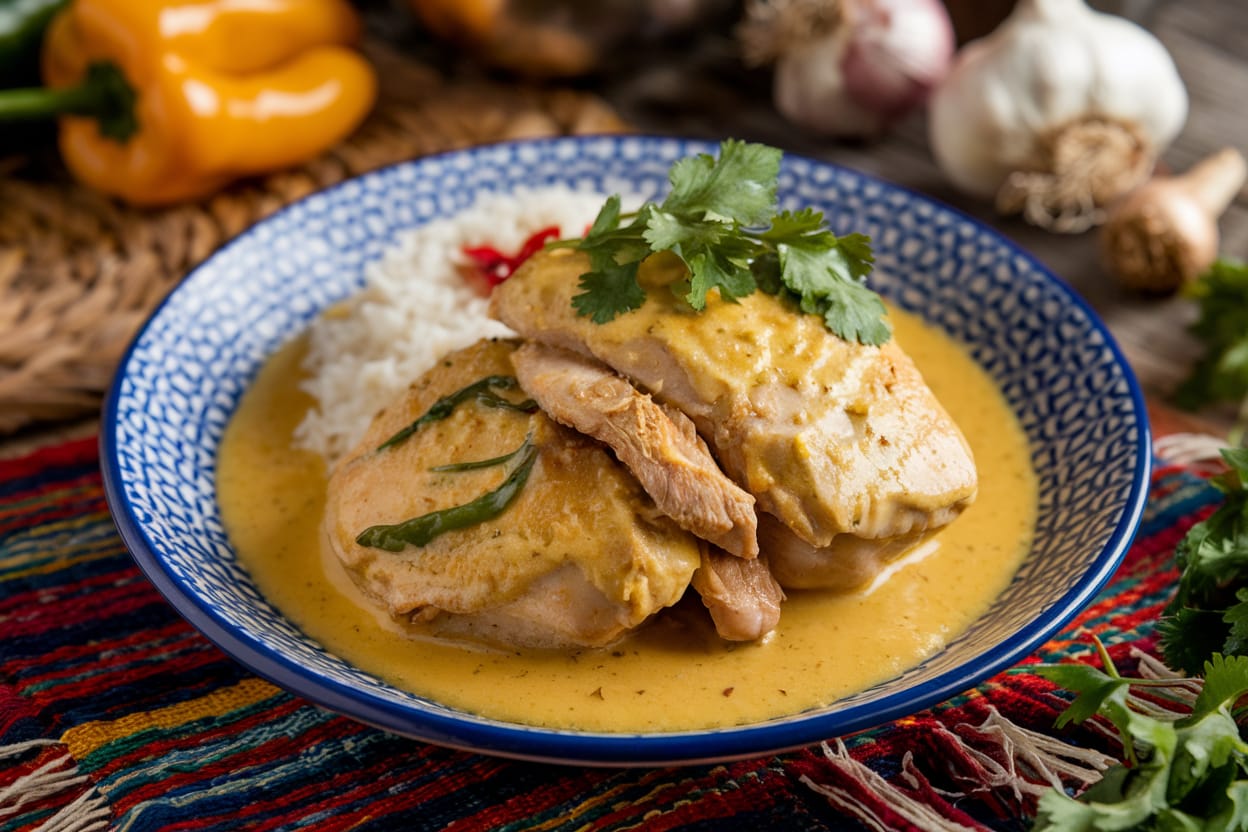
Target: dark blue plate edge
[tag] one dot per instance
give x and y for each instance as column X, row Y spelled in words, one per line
column 470, row 733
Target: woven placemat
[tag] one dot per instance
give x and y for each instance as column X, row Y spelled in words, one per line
column 79, row 272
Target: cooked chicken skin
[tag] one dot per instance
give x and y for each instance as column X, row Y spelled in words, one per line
column 741, row 595
column 578, row 558
column 832, row 438
column 659, row 445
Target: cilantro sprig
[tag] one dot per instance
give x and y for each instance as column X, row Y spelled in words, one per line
column 1209, row 611
column 1221, row 375
column 1186, row 773
column 720, row 218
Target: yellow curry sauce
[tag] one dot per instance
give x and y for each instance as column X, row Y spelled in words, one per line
column 675, row 674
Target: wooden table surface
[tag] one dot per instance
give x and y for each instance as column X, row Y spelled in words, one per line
column 706, row 93
column 700, row 88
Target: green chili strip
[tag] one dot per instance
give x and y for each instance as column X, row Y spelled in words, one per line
column 445, row 406
column 421, row 530
column 456, row 467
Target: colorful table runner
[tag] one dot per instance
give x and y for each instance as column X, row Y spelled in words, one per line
column 115, row 713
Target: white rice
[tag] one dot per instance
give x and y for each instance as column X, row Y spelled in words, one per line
column 415, row 308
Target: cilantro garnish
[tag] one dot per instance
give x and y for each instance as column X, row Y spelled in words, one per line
column 1209, row 611
column 1221, row 375
column 720, row 219
column 1182, row 773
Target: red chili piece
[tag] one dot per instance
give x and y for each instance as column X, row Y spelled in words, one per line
column 497, row 266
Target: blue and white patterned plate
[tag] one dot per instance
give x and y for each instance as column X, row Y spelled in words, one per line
column 184, row 375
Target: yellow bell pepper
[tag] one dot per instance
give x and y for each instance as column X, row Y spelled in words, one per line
column 168, row 100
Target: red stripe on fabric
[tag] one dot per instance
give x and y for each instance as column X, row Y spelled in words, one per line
column 49, row 502
column 1160, row 546
column 203, row 735
column 673, row 804
column 191, row 640
column 77, row 452
column 28, row 519
column 382, row 777
column 32, row 600
column 529, row 805
column 103, row 601
column 108, row 677
column 277, row 748
column 303, row 800
column 75, row 652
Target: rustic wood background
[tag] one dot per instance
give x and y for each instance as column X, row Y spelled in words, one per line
column 697, row 86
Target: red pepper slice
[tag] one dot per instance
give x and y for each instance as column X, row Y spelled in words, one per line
column 497, row 267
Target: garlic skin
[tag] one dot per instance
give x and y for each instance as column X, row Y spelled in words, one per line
column 850, row 68
column 1165, row 233
column 1051, row 66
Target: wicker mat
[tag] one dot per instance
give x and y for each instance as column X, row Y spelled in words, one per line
column 79, row 273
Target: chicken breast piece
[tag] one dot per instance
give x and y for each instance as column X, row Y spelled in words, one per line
column 660, row 446
column 579, row 557
column 846, row 563
column 741, row 595
column 833, row 438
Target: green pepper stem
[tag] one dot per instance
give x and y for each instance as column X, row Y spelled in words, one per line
column 103, row 94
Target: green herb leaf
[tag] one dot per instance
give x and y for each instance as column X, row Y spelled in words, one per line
column 738, row 187
column 1209, row 611
column 1093, row 687
column 609, row 291
column 1222, row 372
column 1189, row 773
column 720, row 218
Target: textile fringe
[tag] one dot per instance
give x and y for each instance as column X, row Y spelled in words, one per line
column 904, row 805
column 1189, row 448
column 59, row 776
column 1013, row 758
column 1032, row 761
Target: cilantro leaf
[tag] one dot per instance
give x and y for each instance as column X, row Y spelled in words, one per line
column 709, row 270
column 1236, row 616
column 1209, row 611
column 607, row 220
column 825, row 275
column 720, row 219
column 1190, row 773
column 1226, row 680
column 1094, row 688
column 739, row 187
column 609, row 291
column 855, row 313
column 1190, row 636
column 1222, row 372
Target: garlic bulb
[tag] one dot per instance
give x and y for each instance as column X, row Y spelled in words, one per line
column 849, row 67
column 1057, row 113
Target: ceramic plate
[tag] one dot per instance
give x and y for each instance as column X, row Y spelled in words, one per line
column 183, row 376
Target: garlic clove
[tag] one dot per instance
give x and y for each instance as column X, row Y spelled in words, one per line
column 808, row 78
column 849, row 67
column 1165, row 233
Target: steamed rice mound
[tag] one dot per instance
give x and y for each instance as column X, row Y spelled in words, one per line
column 415, row 307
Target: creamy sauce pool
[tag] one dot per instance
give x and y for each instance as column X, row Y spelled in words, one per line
column 675, row 674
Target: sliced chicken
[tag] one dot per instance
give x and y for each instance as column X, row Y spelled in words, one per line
column 741, row 595
column 579, row 557
column 832, row 438
column 846, row 563
column 659, row 445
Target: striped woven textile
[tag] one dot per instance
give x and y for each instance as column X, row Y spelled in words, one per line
column 114, row 713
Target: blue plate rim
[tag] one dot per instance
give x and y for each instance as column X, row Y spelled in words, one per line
column 471, row 733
